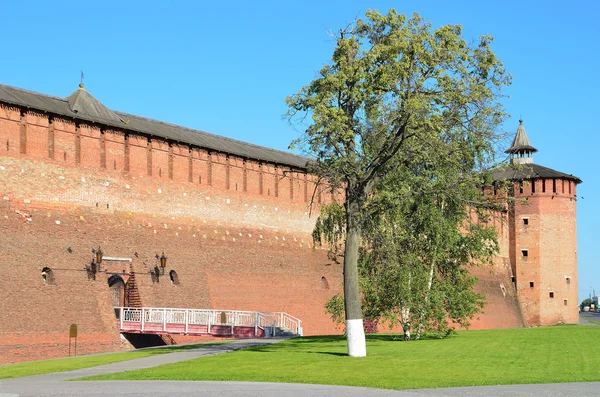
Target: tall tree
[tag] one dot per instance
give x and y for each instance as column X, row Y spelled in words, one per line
column 392, row 80
column 426, row 225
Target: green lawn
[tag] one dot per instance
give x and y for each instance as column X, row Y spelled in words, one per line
column 531, row 355
column 69, row 364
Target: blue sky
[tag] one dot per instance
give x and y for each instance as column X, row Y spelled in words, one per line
column 226, row 67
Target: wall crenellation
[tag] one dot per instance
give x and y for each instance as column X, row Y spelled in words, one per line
column 76, row 143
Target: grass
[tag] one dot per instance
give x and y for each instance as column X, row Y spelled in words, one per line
column 490, row 357
column 69, row 364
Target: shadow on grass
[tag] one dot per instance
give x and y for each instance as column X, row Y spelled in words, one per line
column 179, row 348
column 332, row 353
column 370, row 337
column 317, row 339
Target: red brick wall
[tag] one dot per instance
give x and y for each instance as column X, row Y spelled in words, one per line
column 238, row 235
column 550, row 240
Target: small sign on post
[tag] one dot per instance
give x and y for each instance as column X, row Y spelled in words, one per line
column 73, row 334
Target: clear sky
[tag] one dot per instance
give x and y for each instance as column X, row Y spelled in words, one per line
column 225, row 67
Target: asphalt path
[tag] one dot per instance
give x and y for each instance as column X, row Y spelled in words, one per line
column 54, row 385
column 584, row 316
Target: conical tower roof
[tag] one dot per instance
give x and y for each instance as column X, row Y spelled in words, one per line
column 521, row 142
column 82, row 103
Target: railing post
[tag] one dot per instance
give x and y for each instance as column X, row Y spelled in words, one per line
column 186, row 320
column 209, row 320
column 143, row 319
column 164, row 320
column 121, row 318
column 233, row 321
column 256, row 324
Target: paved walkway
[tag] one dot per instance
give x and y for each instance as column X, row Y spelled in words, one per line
column 584, row 316
column 53, row 385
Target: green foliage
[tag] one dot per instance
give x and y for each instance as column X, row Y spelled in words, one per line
column 330, row 227
column 415, row 258
column 335, row 308
column 392, row 80
column 586, row 302
column 402, row 110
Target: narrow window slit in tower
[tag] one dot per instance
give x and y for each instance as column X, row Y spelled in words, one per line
column 551, row 294
column 531, row 284
column 543, row 186
column 565, row 302
column 521, row 187
column 533, row 186
column 525, row 253
column 553, row 185
column 526, row 221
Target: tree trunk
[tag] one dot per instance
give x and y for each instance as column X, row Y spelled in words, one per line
column 405, row 322
column 422, row 314
column 355, row 333
column 430, row 282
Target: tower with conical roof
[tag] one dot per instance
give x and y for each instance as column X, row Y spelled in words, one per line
column 85, row 105
column 542, row 236
column 521, row 150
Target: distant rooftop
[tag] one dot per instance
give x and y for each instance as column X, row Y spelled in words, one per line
column 81, row 105
column 531, row 171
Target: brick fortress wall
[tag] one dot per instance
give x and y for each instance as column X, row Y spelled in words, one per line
column 544, row 250
column 236, row 231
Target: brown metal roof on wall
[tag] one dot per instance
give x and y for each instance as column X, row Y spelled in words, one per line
column 530, row 171
column 82, row 106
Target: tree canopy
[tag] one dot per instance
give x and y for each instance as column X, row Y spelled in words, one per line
column 395, row 89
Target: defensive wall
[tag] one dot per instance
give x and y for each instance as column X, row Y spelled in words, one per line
column 237, row 232
column 543, row 250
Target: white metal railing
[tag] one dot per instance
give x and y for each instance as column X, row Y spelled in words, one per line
column 289, row 323
column 148, row 317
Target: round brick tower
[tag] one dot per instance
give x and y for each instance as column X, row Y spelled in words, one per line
column 542, row 236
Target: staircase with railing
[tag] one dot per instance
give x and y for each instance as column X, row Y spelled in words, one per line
column 232, row 323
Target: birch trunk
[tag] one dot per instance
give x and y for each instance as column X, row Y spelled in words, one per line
column 422, row 313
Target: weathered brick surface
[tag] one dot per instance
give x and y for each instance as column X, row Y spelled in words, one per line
column 236, row 231
column 550, row 240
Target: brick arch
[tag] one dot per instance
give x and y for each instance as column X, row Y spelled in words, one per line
column 117, row 290
column 324, row 283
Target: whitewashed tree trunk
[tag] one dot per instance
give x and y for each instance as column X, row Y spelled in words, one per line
column 355, row 335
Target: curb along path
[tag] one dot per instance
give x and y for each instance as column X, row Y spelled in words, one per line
column 146, row 362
